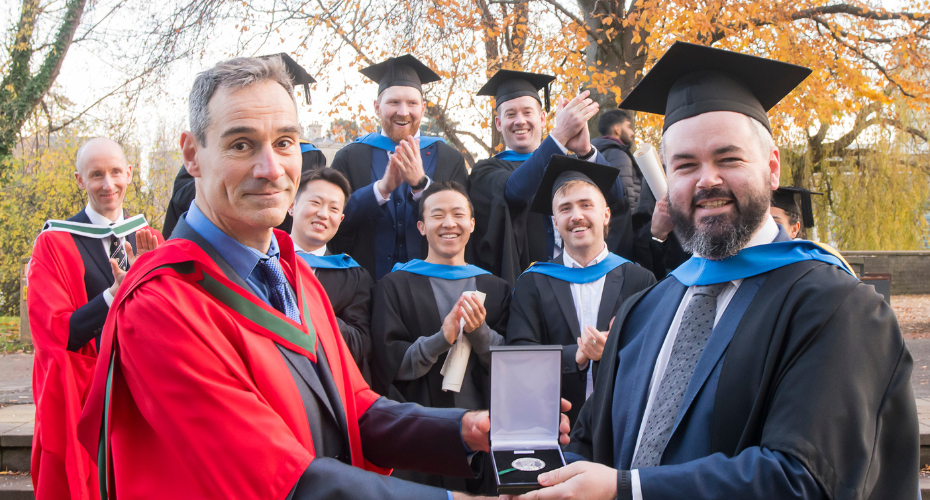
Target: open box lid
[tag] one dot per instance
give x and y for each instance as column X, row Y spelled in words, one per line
column 525, row 396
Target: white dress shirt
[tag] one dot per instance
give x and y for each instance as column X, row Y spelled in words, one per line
column 100, row 220
column 587, row 299
column 766, row 234
column 319, row 252
column 416, row 196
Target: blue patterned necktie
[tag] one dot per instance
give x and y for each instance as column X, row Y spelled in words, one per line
column 280, row 296
column 697, row 323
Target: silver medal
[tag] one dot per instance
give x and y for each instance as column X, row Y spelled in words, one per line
column 528, row 464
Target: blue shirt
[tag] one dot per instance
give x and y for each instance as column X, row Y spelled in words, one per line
column 243, row 260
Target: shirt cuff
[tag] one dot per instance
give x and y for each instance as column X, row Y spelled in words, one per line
column 108, row 297
column 417, row 196
column 559, row 144
column 380, row 199
column 449, row 493
column 637, row 488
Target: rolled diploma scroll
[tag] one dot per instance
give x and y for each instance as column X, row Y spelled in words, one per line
column 651, row 165
column 453, row 370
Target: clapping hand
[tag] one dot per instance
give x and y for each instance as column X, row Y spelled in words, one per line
column 408, row 161
column 591, row 343
column 571, row 122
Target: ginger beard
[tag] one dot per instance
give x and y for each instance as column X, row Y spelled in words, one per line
column 400, row 110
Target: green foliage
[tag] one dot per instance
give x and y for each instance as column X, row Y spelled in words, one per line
column 874, row 198
column 39, row 185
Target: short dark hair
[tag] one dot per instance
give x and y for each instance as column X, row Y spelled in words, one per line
column 610, row 118
column 438, row 187
column 324, row 174
column 313, row 160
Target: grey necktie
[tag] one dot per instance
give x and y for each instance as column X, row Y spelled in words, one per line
column 697, row 323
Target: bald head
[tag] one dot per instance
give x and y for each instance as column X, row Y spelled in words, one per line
column 103, row 172
column 99, row 148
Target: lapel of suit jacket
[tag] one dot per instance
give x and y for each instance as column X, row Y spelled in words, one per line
column 654, row 334
column 563, row 295
column 94, row 248
column 431, row 165
column 719, row 340
column 313, row 380
column 423, row 300
column 613, row 286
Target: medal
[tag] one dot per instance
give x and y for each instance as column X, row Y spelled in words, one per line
column 528, row 464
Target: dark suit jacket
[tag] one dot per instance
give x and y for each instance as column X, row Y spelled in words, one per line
column 543, row 312
column 392, row 433
column 87, row 321
column 369, row 231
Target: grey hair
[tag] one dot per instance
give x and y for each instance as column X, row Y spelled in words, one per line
column 233, row 74
column 766, row 141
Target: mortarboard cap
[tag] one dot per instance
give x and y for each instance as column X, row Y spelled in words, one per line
column 508, row 84
column 403, row 71
column 689, row 80
column 797, row 201
column 561, row 169
column 298, row 74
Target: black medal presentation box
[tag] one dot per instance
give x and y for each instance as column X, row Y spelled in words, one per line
column 526, row 385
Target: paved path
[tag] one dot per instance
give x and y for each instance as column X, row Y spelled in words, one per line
column 920, row 351
column 15, row 379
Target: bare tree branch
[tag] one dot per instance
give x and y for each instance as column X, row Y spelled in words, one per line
column 861, row 54
column 477, row 139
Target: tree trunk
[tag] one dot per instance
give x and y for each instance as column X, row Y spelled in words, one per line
column 21, row 91
column 616, row 49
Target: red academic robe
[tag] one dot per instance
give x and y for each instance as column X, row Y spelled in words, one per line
column 61, row 468
column 202, row 403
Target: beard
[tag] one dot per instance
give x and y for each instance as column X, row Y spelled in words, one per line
column 396, row 133
column 720, row 236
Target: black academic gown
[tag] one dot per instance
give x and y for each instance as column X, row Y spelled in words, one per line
column 372, row 233
column 506, row 241
column 405, row 310
column 543, row 313
column 349, row 291
column 815, row 368
column 87, row 321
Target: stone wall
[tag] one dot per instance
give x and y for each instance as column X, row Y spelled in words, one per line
column 910, row 271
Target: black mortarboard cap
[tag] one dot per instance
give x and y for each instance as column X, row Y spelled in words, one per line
column 691, row 79
column 797, row 201
column 561, row 169
column 507, row 84
column 298, row 74
column 403, row 71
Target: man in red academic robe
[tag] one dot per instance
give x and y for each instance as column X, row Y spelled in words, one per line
column 72, row 285
column 226, row 375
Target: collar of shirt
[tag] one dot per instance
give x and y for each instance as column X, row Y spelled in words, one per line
column 96, row 218
column 241, row 258
column 414, row 135
column 319, row 252
column 568, row 261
